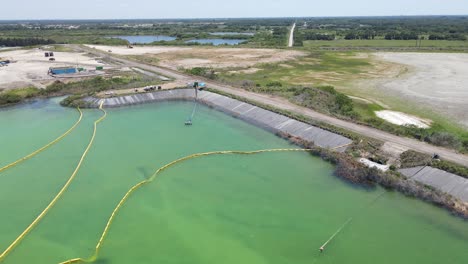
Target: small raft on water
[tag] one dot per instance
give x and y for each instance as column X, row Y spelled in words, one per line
column 188, row 122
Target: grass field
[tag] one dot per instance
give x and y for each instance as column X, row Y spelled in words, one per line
column 353, row 74
column 382, row 43
column 317, row 68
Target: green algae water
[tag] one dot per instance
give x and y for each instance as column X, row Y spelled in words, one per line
column 263, row 208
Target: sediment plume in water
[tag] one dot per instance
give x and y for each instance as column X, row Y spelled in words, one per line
column 11, row 165
column 58, row 196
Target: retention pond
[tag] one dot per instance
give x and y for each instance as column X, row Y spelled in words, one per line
column 145, row 39
column 217, row 42
column 277, row 207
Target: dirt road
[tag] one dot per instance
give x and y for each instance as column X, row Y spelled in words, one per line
column 291, row 36
column 281, row 103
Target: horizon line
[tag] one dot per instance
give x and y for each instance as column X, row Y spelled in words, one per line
column 224, row 18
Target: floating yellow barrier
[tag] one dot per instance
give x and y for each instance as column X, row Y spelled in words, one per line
column 57, row 197
column 44, row 147
column 149, row 180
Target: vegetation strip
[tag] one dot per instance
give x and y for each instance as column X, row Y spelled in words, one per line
column 44, row 147
column 58, row 196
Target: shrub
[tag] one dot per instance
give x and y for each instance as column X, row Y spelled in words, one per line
column 327, row 88
column 274, row 84
column 9, row 98
column 345, row 104
column 411, row 158
column 450, row 167
column 202, row 71
column 248, row 83
column 444, row 139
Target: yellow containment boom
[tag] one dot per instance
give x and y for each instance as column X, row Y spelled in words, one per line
column 140, row 184
column 59, row 195
column 44, row 147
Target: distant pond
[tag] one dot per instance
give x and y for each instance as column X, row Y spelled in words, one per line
column 217, row 42
column 145, row 39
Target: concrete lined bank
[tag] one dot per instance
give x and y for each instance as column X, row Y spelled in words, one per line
column 441, row 180
column 447, row 182
column 250, row 113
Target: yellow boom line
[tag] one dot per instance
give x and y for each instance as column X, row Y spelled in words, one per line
column 140, row 184
column 59, row 195
column 44, row 147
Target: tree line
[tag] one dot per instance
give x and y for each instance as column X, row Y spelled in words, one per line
column 360, row 35
column 447, row 37
column 21, row 42
column 316, row 36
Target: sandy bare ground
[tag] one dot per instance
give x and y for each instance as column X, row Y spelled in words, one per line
column 190, row 57
column 391, row 141
column 372, row 164
column 7, row 48
column 31, row 67
column 435, row 80
column 403, row 119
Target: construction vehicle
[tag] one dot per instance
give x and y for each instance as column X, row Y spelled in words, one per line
column 4, row 62
column 149, row 88
column 197, row 85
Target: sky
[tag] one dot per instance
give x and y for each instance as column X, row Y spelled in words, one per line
column 135, row 9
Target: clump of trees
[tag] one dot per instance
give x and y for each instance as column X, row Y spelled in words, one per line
column 9, row 98
column 301, row 35
column 325, row 99
column 368, row 34
column 447, row 37
column 21, row 42
column 401, row 36
column 17, row 95
column 317, row 36
column 277, row 36
column 389, row 28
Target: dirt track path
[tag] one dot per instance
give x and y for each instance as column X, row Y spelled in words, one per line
column 291, row 36
column 281, row 103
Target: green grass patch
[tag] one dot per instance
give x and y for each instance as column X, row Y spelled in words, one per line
column 342, row 43
column 317, row 68
column 98, row 84
column 17, row 95
column 366, row 110
column 291, row 79
column 62, row 48
column 78, row 89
